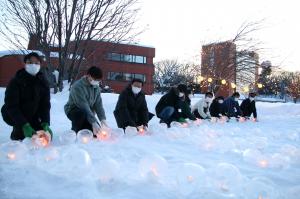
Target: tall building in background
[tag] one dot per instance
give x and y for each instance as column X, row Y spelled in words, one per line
column 228, row 70
column 218, row 62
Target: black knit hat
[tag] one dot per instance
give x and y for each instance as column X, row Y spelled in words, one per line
column 32, row 54
column 95, row 72
column 137, row 80
column 220, row 98
column 182, row 88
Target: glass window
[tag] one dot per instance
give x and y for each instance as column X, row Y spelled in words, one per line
column 140, row 76
column 115, row 76
column 127, row 58
column 212, row 58
column 128, row 76
column 139, row 59
column 115, row 56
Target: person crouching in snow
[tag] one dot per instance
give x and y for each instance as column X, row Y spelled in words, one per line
column 231, row 106
column 185, row 104
column 216, row 108
column 84, row 101
column 27, row 100
column 131, row 108
column 248, row 107
column 201, row 108
column 168, row 107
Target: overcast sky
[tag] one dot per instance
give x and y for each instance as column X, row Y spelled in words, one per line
column 177, row 28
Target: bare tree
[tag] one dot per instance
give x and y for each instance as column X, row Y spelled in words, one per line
column 244, row 54
column 169, row 73
column 68, row 26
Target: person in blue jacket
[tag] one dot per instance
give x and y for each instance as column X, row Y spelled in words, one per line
column 231, row 106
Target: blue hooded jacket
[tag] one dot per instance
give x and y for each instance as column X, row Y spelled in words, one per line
column 231, row 107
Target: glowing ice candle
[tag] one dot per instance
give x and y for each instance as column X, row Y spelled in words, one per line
column 263, row 163
column 11, row 156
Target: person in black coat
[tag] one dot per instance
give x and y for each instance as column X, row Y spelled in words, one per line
column 168, row 108
column 216, row 108
column 248, row 106
column 185, row 105
column 131, row 108
column 231, row 106
column 27, row 100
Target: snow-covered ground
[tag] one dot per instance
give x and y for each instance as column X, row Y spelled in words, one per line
column 208, row 161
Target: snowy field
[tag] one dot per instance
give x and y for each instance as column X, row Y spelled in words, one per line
column 204, row 161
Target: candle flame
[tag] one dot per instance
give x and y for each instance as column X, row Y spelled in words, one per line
column 190, row 178
column 263, row 163
column 85, row 140
column 11, row 156
column 154, row 170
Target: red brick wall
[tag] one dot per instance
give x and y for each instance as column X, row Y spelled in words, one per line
column 10, row 64
column 96, row 55
column 223, row 66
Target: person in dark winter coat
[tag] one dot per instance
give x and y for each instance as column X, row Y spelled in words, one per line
column 27, row 100
column 85, row 101
column 168, row 107
column 231, row 106
column 248, row 106
column 216, row 108
column 185, row 104
column 131, row 108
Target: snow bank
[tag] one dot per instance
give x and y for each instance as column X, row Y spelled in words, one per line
column 208, row 160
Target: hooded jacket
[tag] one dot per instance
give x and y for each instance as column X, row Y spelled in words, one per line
column 231, row 107
column 86, row 97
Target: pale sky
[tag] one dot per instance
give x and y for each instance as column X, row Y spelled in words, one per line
column 178, row 28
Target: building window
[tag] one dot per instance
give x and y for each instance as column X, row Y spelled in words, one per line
column 140, row 76
column 212, row 58
column 117, row 76
column 127, row 58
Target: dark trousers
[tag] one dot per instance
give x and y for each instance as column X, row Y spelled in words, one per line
column 197, row 115
column 79, row 120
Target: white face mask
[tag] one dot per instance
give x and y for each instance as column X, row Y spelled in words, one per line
column 208, row 99
column 191, row 96
column 220, row 101
column 236, row 99
column 252, row 98
column 136, row 90
column 32, row 69
column 94, row 82
column 181, row 94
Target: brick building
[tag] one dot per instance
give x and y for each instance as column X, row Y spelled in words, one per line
column 230, row 70
column 218, row 62
column 10, row 63
column 120, row 63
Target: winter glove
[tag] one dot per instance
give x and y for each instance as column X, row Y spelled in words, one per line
column 28, row 130
column 46, row 128
column 181, row 120
column 96, row 128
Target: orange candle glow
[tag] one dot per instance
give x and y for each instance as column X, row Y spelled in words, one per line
column 263, row 163
column 11, row 156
